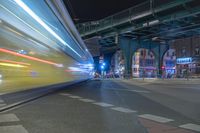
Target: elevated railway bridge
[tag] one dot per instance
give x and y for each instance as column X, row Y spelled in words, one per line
column 152, row 25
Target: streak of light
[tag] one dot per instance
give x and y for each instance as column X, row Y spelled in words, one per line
column 39, row 20
column 24, row 22
column 11, row 65
column 73, row 69
column 13, row 31
column 15, row 62
column 29, row 57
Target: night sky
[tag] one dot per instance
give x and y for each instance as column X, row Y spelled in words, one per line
column 88, row 10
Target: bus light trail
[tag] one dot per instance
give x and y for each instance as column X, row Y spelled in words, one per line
column 28, row 57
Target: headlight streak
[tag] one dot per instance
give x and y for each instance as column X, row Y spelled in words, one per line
column 8, row 28
column 12, row 65
column 34, row 16
column 83, row 68
column 24, row 22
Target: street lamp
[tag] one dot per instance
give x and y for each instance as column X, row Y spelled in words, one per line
column 102, row 67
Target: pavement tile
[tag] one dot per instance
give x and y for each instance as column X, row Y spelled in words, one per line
column 154, row 127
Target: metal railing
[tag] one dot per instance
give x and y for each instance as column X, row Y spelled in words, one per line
column 147, row 8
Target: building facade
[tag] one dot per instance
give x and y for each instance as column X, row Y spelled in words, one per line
column 188, row 56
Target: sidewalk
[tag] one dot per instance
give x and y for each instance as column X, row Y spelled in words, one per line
column 166, row 81
column 154, row 127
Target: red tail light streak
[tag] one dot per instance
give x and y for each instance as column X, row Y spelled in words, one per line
column 29, row 57
column 15, row 62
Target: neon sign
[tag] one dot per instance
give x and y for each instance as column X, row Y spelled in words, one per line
column 187, row 60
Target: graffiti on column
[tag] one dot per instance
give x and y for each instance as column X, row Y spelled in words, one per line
column 169, row 64
column 143, row 63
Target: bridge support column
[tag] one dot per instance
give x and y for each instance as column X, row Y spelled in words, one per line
column 128, row 47
column 160, row 50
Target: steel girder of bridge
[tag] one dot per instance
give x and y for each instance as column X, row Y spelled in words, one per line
column 159, row 20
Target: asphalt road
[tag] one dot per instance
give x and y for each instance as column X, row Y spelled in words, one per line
column 110, row 106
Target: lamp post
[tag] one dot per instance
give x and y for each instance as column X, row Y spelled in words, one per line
column 102, row 69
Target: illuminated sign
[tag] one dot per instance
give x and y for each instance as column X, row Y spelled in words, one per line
column 187, row 60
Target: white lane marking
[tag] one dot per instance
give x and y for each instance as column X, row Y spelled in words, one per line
column 8, row 118
column 103, row 104
column 87, row 100
column 13, row 129
column 65, row 94
column 140, row 91
column 191, row 126
column 77, row 97
column 124, row 110
column 156, row 118
column 137, row 91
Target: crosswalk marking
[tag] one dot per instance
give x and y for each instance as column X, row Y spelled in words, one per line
column 155, row 118
column 124, row 110
column 191, row 126
column 75, row 97
column 13, row 129
column 87, row 100
column 130, row 90
column 65, row 94
column 8, row 118
column 103, row 104
column 140, row 91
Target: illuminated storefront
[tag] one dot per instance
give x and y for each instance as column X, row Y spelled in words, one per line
column 184, row 66
column 188, row 66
